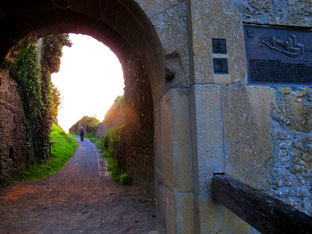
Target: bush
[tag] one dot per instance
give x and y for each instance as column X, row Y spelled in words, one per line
column 112, row 146
column 90, row 124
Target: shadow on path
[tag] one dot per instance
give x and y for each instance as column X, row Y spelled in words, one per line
column 77, row 199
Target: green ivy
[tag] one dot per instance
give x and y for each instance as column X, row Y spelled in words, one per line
column 25, row 71
column 40, row 99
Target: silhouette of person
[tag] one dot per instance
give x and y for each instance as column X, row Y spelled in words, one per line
column 82, row 133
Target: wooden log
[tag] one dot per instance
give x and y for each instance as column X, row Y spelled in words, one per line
column 263, row 212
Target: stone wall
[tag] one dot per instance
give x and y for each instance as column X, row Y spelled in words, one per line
column 286, row 115
column 12, row 129
column 275, row 12
column 139, row 126
column 290, row 168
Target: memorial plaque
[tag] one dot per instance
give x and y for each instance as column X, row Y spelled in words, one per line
column 220, row 66
column 218, row 46
column 278, row 55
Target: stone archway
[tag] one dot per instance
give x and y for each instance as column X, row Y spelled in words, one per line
column 120, row 25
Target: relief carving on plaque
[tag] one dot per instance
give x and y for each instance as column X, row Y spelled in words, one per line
column 291, row 48
column 278, row 55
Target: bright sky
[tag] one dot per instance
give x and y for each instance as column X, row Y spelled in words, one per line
column 90, row 78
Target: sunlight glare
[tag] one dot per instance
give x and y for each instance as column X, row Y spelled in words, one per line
column 89, row 80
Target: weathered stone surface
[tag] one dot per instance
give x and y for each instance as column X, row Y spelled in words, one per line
column 210, row 159
column 214, row 218
column 167, row 161
column 171, row 27
column 278, row 12
column 208, row 114
column 215, row 19
column 289, row 169
column 138, row 158
column 184, row 220
column 182, row 153
column 12, row 129
column 152, row 8
column 247, row 131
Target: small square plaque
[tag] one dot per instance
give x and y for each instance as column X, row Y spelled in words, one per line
column 220, row 66
column 218, row 46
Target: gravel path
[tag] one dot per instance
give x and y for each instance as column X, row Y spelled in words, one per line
column 78, row 199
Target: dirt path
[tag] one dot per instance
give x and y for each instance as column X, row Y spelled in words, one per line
column 77, row 199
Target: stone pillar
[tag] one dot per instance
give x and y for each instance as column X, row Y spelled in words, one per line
column 174, row 163
column 212, row 19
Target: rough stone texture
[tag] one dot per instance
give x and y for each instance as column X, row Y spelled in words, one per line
column 286, row 173
column 215, row 19
column 213, row 217
column 217, row 219
column 247, row 131
column 12, row 129
column 171, row 27
column 174, row 163
column 139, row 126
column 209, row 134
column 152, row 8
column 290, row 167
column 176, row 139
column 275, row 12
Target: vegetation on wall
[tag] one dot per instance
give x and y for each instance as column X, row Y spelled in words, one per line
column 39, row 98
column 51, row 53
column 25, row 71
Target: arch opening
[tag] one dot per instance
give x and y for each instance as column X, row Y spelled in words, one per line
column 124, row 28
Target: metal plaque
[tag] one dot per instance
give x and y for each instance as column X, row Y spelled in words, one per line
column 220, row 66
column 218, row 46
column 278, row 55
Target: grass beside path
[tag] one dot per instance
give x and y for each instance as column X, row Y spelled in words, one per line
column 64, row 147
column 112, row 138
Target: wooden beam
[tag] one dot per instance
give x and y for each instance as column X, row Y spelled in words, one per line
column 263, row 212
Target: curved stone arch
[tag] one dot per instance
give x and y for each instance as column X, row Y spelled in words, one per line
column 125, row 28
column 121, row 25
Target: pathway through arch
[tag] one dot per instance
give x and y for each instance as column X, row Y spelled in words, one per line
column 78, row 199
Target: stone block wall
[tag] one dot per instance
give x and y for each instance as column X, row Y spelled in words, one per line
column 12, row 129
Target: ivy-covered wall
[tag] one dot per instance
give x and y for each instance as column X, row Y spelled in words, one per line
column 28, row 74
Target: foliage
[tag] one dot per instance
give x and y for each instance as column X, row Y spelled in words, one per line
column 112, row 146
column 91, row 137
column 90, row 124
column 25, row 71
column 51, row 53
column 64, row 147
column 40, row 101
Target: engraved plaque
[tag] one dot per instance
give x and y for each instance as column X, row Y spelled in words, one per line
column 220, row 66
column 278, row 55
column 218, row 46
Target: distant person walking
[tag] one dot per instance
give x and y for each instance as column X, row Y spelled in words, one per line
column 82, row 133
